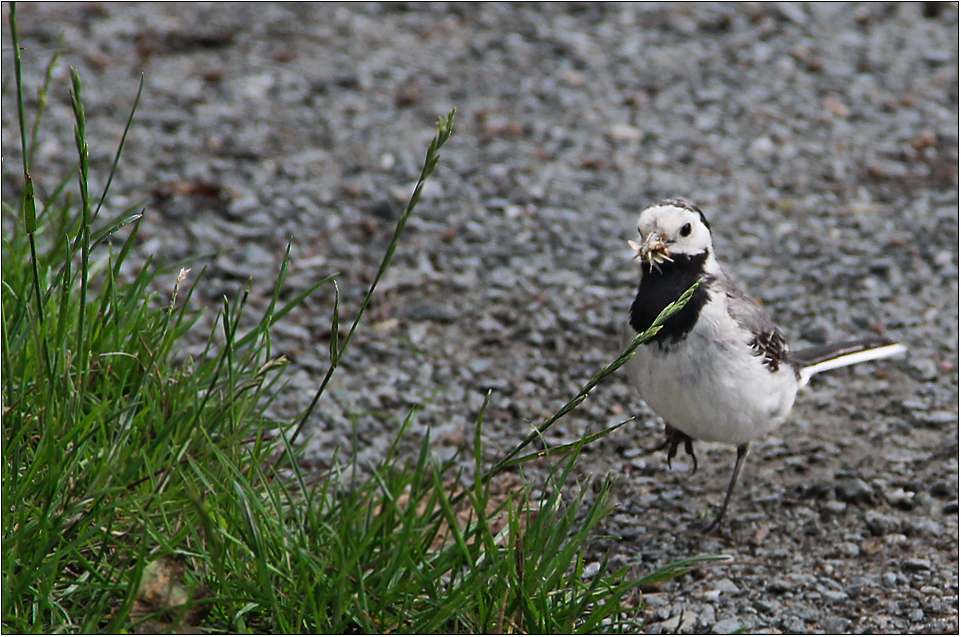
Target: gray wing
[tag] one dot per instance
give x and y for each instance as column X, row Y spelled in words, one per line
column 767, row 340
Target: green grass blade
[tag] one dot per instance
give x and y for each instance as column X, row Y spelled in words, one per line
column 445, row 128
column 123, row 139
column 603, row 373
column 566, row 448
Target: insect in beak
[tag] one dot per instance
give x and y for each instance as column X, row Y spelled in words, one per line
column 653, row 251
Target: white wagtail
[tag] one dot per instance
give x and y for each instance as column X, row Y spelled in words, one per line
column 718, row 370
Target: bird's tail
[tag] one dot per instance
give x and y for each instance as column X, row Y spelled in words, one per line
column 820, row 358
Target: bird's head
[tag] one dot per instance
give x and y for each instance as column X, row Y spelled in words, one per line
column 671, row 229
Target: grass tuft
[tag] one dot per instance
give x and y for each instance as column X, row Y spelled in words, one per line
column 148, row 493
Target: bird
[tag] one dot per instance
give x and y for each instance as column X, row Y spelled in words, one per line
column 719, row 369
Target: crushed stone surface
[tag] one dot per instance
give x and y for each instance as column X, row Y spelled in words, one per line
column 821, row 140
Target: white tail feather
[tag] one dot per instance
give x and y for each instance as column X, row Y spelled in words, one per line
column 885, row 351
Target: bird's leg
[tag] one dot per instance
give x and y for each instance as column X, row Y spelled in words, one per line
column 673, row 438
column 741, row 454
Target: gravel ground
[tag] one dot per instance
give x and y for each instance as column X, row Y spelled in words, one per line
column 821, row 140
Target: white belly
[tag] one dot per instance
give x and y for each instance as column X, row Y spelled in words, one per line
column 713, row 390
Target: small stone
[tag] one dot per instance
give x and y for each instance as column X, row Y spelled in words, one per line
column 386, row 210
column 854, row 591
column 809, row 613
column 678, row 623
column 854, row 491
column 728, row 626
column 479, row 365
column 848, row 550
column 834, row 507
column 938, row 418
column 923, row 526
column 387, row 161
column 591, row 570
column 625, row 132
column 727, row 586
column 655, row 600
column 942, row 490
column 916, row 564
column 428, row 311
column 927, row 369
column 762, row 148
column 792, row 12
column 937, row 628
column 914, row 404
column 881, row 524
column 900, row 498
column 833, row 597
column 707, row 616
column 794, row 625
column 835, row 625
column 882, row 169
column 837, row 107
column 895, row 539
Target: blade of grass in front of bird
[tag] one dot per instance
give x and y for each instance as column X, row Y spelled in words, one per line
column 562, row 449
column 666, row 313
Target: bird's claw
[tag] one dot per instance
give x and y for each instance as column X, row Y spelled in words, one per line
column 674, row 438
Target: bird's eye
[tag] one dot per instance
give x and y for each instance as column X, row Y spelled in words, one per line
column 685, row 229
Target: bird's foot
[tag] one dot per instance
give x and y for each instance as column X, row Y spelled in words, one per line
column 674, row 438
column 715, row 528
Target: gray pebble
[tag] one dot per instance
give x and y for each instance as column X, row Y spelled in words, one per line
column 834, row 507
column 916, row 564
column 848, row 550
column 924, row 527
column 678, row 623
column 939, row 418
column 900, row 498
column 880, row 524
column 926, row 368
column 779, row 586
column 727, row 587
column 728, row 626
column 707, row 616
column 794, row 625
column 854, row 491
column 833, row 596
column 428, row 311
column 835, row 625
